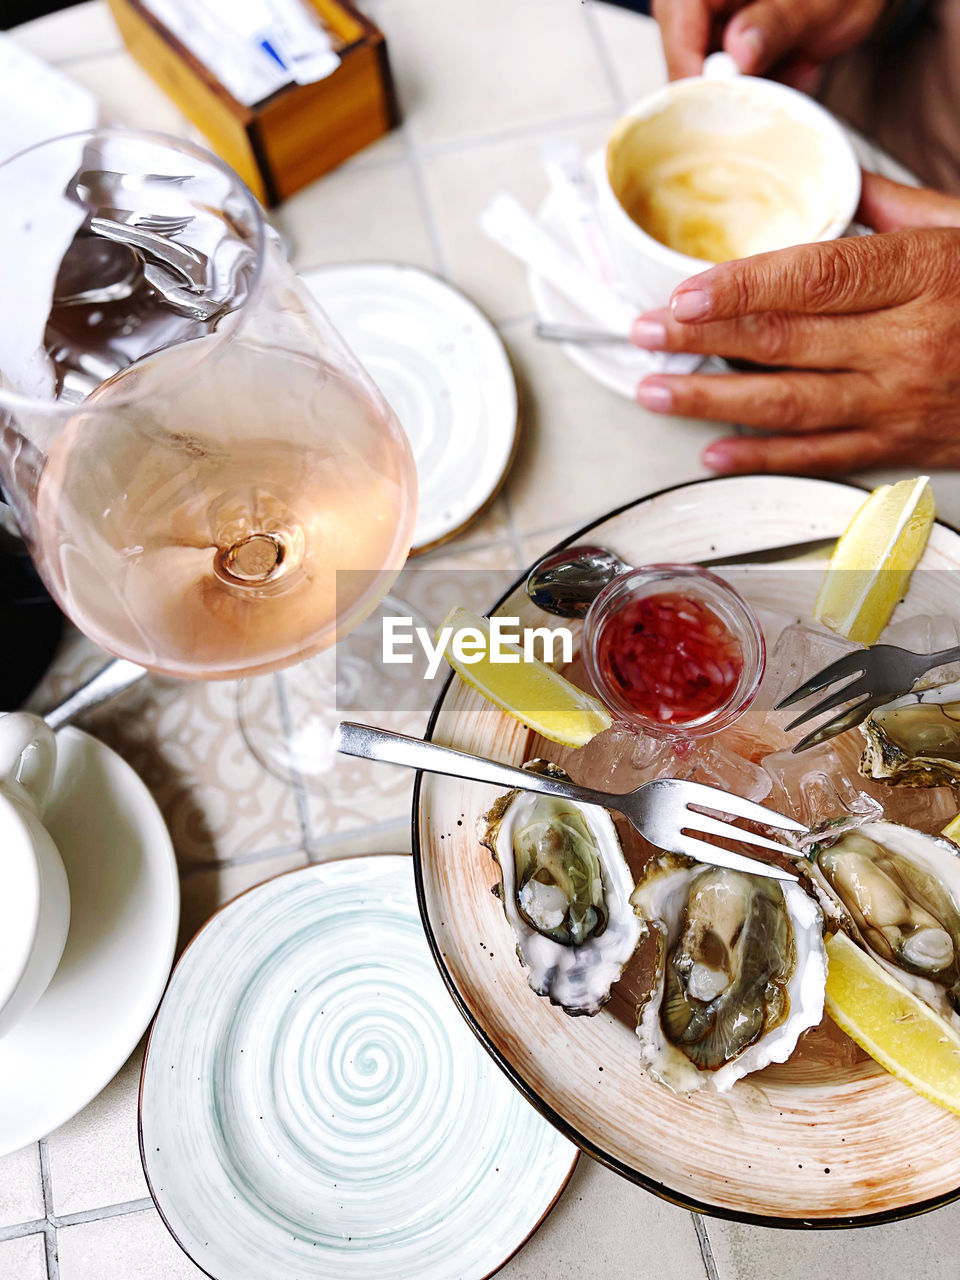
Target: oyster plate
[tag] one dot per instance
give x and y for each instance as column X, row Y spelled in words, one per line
column 813, row 1143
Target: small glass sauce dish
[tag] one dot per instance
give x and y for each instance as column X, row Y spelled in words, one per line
column 673, row 650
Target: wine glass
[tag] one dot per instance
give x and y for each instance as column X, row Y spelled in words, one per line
column 289, row 718
column 209, row 482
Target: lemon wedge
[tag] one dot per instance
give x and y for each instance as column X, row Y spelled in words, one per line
column 529, row 690
column 872, row 562
column 897, row 1030
column 952, row 830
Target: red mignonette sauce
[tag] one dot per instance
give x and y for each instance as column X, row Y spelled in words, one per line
column 673, row 647
column 671, row 657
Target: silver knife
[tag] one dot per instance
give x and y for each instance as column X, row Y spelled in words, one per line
column 566, row 582
column 772, row 555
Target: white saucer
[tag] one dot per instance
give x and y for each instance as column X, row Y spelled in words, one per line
column 619, row 368
column 442, row 367
column 313, row 1106
column 124, row 914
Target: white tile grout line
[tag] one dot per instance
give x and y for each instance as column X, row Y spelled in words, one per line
column 516, row 540
column 520, row 133
column 242, row 859
column 31, row 1228
column 299, row 789
column 706, row 1249
column 564, row 530
column 510, row 323
column 122, row 1210
column 49, row 1231
column 64, row 64
column 453, row 550
column 423, row 199
column 517, row 133
column 49, row 1225
column 386, row 828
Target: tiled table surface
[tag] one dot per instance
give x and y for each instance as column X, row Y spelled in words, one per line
column 481, row 82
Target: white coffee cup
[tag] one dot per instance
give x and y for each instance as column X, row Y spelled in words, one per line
column 800, row 149
column 34, row 893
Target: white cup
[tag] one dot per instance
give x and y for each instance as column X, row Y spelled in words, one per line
column 34, row 893
column 723, row 109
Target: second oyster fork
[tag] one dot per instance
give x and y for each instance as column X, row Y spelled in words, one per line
column 660, row 810
column 875, row 675
column 161, row 224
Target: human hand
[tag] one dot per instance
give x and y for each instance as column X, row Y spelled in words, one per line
column 793, row 36
column 863, row 335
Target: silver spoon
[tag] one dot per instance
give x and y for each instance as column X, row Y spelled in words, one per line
column 582, row 336
column 114, row 267
column 107, row 683
column 567, row 582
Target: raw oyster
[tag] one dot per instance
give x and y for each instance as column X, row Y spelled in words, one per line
column 565, row 888
column 740, row 972
column 914, row 741
column 896, row 892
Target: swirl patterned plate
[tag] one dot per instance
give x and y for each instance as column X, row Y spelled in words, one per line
column 313, row 1106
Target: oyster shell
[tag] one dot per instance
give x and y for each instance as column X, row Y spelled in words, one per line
column 740, row 972
column 914, row 741
column 896, row 892
column 565, row 888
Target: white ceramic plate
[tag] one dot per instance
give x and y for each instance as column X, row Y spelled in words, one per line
column 313, row 1106
column 443, row 369
column 124, row 914
column 818, row 1141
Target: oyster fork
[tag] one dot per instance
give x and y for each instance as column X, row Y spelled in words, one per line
column 876, row 675
column 189, row 264
column 660, row 810
column 162, row 224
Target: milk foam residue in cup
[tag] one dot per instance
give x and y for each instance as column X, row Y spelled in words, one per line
column 716, row 175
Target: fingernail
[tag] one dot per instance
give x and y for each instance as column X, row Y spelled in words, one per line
column 746, row 47
column 655, row 396
column 718, row 458
column 692, row 304
column 649, row 333
column 753, row 38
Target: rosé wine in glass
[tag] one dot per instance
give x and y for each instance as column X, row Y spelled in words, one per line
column 207, row 494
column 200, row 532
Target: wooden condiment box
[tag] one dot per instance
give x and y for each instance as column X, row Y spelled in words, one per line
column 298, row 133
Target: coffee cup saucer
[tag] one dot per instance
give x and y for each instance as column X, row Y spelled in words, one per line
column 125, row 906
column 617, row 367
column 620, row 368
